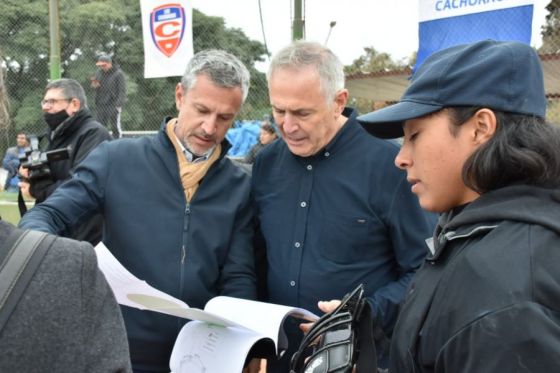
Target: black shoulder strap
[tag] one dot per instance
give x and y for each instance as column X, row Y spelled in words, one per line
column 21, row 204
column 372, row 341
column 23, row 252
column 367, row 358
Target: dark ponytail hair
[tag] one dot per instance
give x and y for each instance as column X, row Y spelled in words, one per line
column 524, row 150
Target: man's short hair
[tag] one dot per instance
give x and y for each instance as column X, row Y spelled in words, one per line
column 301, row 54
column 70, row 88
column 223, row 69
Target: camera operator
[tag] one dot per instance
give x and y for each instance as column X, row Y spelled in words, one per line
column 70, row 125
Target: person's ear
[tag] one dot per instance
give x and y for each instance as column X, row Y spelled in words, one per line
column 340, row 100
column 74, row 106
column 484, row 125
column 179, row 93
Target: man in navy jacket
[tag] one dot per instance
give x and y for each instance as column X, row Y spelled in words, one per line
column 177, row 211
column 333, row 209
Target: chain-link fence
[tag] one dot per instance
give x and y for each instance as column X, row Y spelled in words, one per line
column 89, row 28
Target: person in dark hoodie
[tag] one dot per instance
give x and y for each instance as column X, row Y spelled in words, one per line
column 71, row 126
column 110, row 94
column 478, row 150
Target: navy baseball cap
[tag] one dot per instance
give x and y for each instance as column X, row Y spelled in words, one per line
column 505, row 76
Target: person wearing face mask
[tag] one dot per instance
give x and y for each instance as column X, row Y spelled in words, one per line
column 70, row 125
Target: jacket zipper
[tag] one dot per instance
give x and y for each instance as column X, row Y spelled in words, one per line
column 450, row 236
column 185, row 231
column 180, row 322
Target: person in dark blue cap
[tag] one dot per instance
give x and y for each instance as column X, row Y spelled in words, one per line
column 477, row 149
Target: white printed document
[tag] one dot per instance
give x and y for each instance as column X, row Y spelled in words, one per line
column 221, row 336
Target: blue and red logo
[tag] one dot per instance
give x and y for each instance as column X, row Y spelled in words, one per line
column 167, row 25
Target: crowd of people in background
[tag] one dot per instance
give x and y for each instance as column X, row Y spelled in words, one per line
column 457, row 276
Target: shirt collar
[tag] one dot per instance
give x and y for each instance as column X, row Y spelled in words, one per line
column 191, row 157
column 348, row 126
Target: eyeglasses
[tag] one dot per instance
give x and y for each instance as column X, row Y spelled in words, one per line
column 52, row 101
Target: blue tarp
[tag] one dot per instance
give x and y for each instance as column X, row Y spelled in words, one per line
column 242, row 136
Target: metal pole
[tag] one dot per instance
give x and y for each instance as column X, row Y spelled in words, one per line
column 298, row 24
column 54, row 33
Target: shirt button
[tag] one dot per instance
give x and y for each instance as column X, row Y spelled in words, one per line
column 297, row 244
column 303, row 204
column 292, row 283
column 309, row 167
column 327, row 154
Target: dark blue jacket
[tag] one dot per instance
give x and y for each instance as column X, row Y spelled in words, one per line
column 342, row 217
column 192, row 251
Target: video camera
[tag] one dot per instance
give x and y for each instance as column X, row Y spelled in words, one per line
column 38, row 163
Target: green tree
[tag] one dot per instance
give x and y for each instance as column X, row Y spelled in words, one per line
column 211, row 32
column 25, row 51
column 551, row 29
column 550, row 46
column 373, row 61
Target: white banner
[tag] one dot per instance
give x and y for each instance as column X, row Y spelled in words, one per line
column 167, row 33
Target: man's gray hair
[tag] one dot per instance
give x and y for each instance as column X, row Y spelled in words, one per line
column 70, row 89
column 224, row 69
column 301, row 54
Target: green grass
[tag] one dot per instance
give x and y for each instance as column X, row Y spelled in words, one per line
column 8, row 196
column 9, row 210
column 10, row 214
